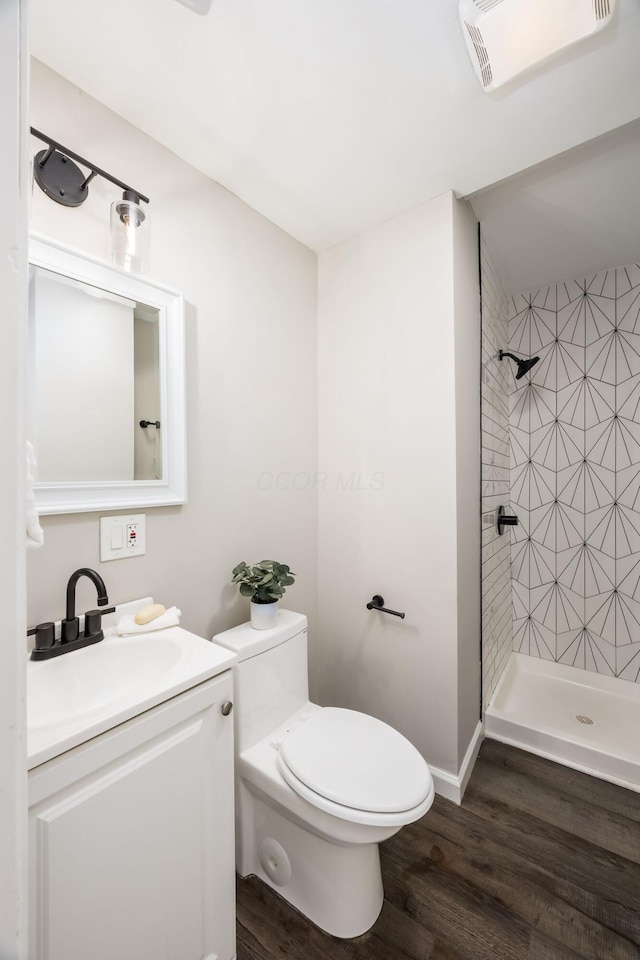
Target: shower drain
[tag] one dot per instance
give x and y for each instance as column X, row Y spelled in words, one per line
column 582, row 718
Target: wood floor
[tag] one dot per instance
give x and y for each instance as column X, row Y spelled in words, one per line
column 539, row 863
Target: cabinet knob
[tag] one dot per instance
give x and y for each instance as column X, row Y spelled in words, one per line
column 226, row 708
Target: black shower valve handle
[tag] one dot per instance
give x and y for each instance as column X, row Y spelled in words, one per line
column 504, row 521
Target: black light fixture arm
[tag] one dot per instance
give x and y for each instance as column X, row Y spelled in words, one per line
column 53, row 145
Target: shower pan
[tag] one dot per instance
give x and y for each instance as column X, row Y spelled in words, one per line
column 573, row 716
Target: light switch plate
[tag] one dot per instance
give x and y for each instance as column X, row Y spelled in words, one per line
column 122, row 537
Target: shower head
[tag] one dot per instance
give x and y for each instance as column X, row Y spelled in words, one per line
column 523, row 365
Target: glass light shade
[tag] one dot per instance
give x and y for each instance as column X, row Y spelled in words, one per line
column 130, row 234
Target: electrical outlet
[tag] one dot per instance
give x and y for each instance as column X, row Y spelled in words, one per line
column 122, row 536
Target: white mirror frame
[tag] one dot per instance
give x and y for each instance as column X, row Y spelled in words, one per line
column 85, row 496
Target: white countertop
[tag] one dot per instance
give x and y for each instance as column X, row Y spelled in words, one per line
column 79, row 695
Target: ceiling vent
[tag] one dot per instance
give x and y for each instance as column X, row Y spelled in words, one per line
column 506, row 37
column 201, row 6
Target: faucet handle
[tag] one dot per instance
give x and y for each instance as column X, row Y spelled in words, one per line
column 93, row 621
column 45, row 635
column 69, row 629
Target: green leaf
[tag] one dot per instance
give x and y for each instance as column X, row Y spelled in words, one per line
column 265, row 581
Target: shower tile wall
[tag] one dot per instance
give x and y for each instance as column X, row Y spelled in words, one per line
column 496, row 584
column 575, row 473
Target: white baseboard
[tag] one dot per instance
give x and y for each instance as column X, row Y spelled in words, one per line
column 450, row 786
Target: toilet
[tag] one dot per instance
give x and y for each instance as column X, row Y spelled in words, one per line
column 317, row 788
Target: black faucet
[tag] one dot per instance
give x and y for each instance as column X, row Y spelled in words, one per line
column 71, row 624
column 70, row 639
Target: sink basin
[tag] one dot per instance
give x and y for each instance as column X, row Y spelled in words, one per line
column 76, row 696
column 70, row 686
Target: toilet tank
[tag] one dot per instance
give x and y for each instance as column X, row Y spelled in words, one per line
column 270, row 679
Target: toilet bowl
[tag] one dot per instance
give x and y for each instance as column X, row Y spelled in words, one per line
column 317, row 788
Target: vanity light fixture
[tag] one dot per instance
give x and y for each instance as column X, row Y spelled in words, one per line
column 62, row 180
column 130, row 233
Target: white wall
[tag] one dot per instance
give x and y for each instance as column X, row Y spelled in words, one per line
column 393, row 486
column 251, row 383
column 13, row 310
column 398, row 481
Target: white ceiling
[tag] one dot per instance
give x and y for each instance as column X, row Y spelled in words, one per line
column 329, row 116
column 569, row 217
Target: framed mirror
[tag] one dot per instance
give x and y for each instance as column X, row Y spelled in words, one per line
column 105, row 385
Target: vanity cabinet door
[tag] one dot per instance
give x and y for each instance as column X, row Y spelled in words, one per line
column 131, row 839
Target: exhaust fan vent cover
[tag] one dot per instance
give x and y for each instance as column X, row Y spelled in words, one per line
column 197, row 6
column 506, row 37
column 485, row 5
column 481, row 54
column 603, row 9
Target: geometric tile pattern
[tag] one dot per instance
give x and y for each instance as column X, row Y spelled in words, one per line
column 496, row 576
column 574, row 435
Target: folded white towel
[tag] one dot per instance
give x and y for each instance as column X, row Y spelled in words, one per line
column 35, row 533
column 127, row 625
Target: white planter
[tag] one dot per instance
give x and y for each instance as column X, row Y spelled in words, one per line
column 263, row 615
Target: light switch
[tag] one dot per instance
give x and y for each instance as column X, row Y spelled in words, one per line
column 117, row 541
column 122, row 536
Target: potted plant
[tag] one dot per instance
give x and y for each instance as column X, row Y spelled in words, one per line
column 264, row 583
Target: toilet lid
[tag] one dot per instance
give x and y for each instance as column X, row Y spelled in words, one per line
column 357, row 761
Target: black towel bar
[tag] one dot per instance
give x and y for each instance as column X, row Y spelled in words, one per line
column 377, row 603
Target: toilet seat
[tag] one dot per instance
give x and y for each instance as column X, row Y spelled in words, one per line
column 356, row 767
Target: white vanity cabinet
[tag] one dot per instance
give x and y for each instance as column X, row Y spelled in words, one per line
column 132, row 838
